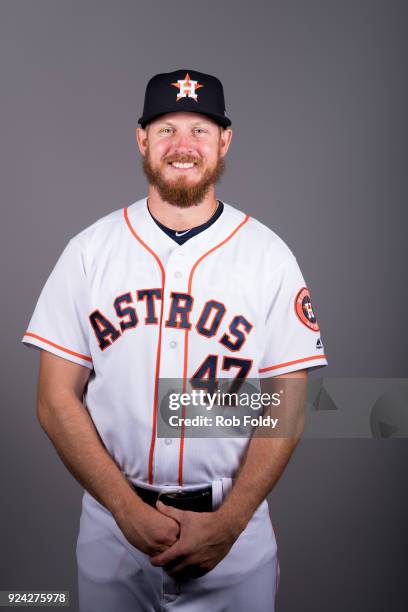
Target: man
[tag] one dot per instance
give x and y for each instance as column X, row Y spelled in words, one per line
column 179, row 286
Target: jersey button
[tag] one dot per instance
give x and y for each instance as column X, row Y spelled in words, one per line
column 173, row 344
column 168, row 441
column 177, row 274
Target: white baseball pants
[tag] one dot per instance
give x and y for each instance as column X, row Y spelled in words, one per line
column 114, row 576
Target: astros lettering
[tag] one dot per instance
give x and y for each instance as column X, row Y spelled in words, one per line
column 208, row 324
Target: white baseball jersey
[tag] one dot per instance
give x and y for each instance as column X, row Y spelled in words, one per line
column 128, row 302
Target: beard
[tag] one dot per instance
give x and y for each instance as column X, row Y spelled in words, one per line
column 179, row 192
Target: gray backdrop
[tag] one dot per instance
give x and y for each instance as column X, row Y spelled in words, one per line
column 317, row 96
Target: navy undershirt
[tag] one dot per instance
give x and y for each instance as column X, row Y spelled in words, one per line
column 194, row 230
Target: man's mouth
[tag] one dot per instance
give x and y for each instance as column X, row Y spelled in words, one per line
column 182, row 165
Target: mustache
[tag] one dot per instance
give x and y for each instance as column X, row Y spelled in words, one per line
column 178, row 193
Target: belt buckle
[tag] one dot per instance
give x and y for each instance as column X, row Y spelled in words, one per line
column 185, row 499
column 171, row 492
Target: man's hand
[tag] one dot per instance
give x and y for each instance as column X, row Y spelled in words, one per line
column 146, row 528
column 69, row 426
column 205, row 538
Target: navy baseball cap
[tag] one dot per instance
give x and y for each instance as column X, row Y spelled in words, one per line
column 184, row 91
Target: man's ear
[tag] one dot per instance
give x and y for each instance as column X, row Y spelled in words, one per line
column 225, row 140
column 141, row 138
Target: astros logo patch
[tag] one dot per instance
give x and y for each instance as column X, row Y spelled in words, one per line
column 187, row 88
column 304, row 310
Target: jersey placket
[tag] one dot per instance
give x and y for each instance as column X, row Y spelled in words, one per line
column 166, row 452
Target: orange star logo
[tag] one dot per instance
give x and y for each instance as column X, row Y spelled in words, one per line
column 187, row 88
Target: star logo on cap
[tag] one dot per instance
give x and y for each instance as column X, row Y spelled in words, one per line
column 187, row 88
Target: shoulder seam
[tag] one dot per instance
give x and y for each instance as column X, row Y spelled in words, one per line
column 101, row 222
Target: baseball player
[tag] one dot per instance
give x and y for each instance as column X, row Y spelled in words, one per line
column 178, row 285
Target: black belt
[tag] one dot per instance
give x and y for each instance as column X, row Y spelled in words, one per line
column 199, row 500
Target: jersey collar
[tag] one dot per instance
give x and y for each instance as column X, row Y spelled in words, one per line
column 147, row 230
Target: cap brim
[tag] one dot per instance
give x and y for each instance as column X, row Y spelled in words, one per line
column 221, row 120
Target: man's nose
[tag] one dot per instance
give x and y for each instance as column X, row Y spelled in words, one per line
column 182, row 142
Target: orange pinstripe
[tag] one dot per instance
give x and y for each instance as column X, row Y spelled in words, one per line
column 190, row 282
column 158, row 353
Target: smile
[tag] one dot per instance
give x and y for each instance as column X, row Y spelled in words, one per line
column 182, row 166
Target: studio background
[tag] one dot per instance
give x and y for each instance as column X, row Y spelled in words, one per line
column 317, row 95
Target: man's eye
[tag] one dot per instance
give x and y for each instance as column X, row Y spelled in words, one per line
column 200, row 130
column 167, row 128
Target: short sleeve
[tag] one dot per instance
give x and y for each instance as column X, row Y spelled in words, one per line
column 59, row 323
column 292, row 335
